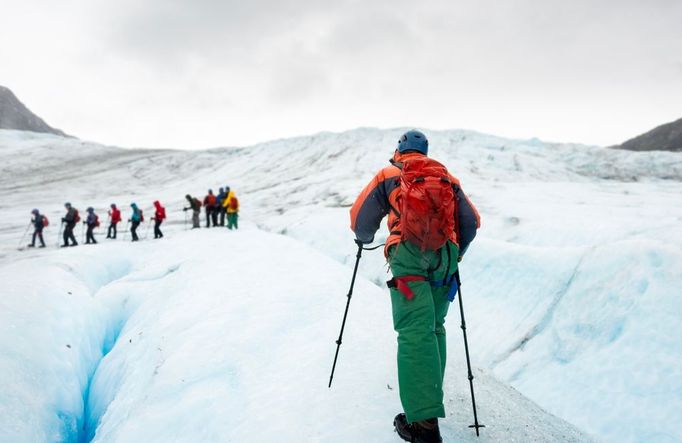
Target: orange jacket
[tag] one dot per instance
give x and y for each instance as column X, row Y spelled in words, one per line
column 380, row 196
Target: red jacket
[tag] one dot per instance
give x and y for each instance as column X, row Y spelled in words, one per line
column 115, row 215
column 160, row 213
column 210, row 201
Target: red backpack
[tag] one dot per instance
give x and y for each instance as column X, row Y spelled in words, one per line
column 76, row 216
column 96, row 221
column 141, row 215
column 46, row 222
column 234, row 203
column 161, row 213
column 426, row 203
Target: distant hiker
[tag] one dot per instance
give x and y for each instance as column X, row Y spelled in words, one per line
column 210, row 205
column 39, row 222
column 431, row 224
column 219, row 205
column 92, row 222
column 114, row 219
column 159, row 217
column 231, row 206
column 195, row 207
column 135, row 219
column 70, row 219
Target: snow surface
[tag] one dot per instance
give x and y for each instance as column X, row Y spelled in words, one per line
column 572, row 293
column 168, row 341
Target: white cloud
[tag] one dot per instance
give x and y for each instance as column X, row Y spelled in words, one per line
column 208, row 72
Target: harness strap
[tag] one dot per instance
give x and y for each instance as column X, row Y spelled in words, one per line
column 400, row 283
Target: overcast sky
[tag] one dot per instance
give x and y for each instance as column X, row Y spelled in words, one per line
column 206, row 73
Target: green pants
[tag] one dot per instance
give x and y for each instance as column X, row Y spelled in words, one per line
column 419, row 323
column 232, row 220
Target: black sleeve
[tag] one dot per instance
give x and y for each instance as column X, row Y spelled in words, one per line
column 467, row 220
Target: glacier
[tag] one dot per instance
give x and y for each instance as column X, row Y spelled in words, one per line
column 571, row 290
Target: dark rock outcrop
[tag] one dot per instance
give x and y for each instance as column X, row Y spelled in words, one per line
column 666, row 137
column 15, row 115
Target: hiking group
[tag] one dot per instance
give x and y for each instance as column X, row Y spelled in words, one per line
column 217, row 208
column 431, row 223
column 92, row 222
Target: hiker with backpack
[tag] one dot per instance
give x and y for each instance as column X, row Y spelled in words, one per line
column 69, row 220
column 135, row 219
column 431, row 224
column 92, row 222
column 114, row 219
column 39, row 223
column 159, row 217
column 195, row 207
column 210, row 205
column 220, row 209
column 231, row 206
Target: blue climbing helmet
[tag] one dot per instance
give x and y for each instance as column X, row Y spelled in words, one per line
column 413, row 141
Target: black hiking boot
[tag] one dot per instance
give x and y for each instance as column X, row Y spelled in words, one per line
column 30, row 246
column 41, row 246
column 425, row 431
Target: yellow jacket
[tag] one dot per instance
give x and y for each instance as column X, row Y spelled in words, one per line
column 228, row 206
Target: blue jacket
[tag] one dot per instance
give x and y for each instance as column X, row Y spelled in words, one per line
column 137, row 216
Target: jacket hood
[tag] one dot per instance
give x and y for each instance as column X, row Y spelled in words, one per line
column 399, row 158
column 133, row 205
column 157, row 204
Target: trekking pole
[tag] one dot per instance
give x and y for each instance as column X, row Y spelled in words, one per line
column 466, row 351
column 146, row 232
column 83, row 233
column 185, row 220
column 126, row 230
column 345, row 314
column 59, row 235
column 21, row 242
